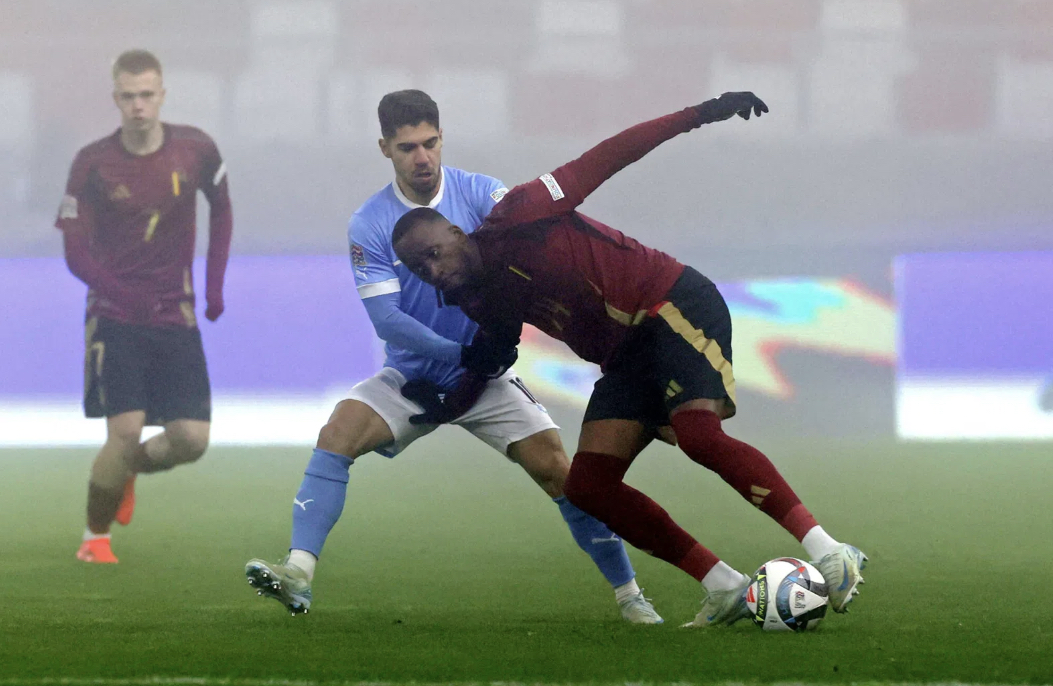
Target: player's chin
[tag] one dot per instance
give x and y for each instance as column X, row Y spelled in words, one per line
column 425, row 184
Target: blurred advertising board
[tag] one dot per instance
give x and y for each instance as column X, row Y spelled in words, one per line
column 810, row 354
column 976, row 346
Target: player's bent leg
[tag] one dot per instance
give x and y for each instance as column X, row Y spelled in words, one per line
column 595, row 485
column 106, row 487
column 747, row 470
column 743, row 467
column 353, row 429
column 596, row 479
column 543, row 458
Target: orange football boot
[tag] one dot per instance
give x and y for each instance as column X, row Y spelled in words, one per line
column 127, row 506
column 97, row 550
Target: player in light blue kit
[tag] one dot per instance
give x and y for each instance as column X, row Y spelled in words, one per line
column 428, row 347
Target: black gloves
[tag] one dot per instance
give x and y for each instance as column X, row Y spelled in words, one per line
column 489, row 356
column 428, row 395
column 730, row 104
column 440, row 407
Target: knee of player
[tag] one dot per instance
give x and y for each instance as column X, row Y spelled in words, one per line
column 189, row 444
column 340, row 438
column 541, row 454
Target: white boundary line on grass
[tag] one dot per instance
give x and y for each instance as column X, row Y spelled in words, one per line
column 222, row 681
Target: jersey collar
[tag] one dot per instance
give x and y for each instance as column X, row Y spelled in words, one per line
column 434, row 201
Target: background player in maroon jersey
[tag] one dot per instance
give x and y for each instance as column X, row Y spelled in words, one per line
column 128, row 223
column 660, row 330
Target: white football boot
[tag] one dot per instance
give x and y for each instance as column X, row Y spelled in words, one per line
column 841, row 569
column 286, row 583
column 723, row 607
column 639, row 610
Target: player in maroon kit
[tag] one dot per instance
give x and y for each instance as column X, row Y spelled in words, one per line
column 661, row 332
column 128, row 224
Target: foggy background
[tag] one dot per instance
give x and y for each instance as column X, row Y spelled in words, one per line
column 896, row 127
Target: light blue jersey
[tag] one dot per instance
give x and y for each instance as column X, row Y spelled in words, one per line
column 463, row 198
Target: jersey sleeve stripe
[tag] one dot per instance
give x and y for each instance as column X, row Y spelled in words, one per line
column 220, row 173
column 372, row 290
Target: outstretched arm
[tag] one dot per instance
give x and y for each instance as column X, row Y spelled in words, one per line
column 567, row 187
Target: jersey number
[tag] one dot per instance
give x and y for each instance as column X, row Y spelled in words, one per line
column 152, row 226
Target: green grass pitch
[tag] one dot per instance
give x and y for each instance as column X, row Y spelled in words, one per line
column 450, row 565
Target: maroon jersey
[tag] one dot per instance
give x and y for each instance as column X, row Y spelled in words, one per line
column 576, row 279
column 130, row 224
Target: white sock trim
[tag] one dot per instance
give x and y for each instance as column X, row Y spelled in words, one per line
column 90, row 535
column 818, row 544
column 723, row 578
column 304, row 560
column 626, row 591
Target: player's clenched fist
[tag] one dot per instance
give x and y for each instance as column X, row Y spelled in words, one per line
column 214, row 309
column 730, row 104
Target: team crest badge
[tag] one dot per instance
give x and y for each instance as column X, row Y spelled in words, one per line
column 358, row 256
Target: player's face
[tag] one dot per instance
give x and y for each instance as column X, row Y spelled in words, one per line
column 439, row 254
column 139, row 98
column 416, row 153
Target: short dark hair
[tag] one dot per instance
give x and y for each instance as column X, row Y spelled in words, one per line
column 413, row 218
column 136, row 62
column 406, row 108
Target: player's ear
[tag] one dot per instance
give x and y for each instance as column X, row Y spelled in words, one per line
column 385, row 149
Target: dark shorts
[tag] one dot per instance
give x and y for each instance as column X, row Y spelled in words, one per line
column 161, row 371
column 681, row 352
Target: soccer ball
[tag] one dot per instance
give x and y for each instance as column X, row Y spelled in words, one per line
column 787, row 594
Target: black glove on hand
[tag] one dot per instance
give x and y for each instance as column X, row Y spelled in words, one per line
column 443, row 407
column 730, row 104
column 488, row 358
column 428, row 395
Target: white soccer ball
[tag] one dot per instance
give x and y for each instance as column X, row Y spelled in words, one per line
column 787, row 594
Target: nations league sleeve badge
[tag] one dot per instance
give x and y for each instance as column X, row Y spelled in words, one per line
column 358, row 257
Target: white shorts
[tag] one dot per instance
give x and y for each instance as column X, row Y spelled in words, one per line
column 505, row 413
